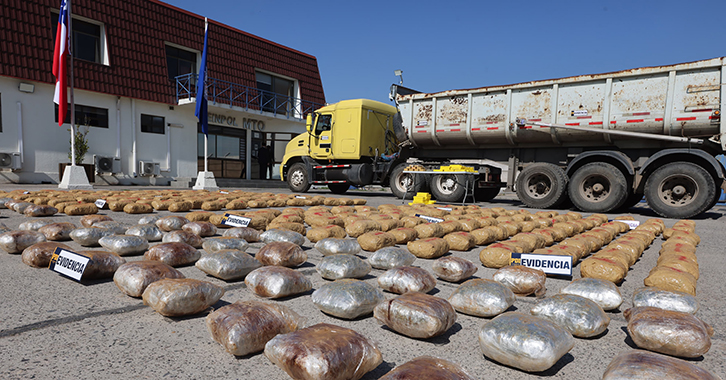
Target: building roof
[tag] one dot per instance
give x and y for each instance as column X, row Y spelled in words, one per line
column 136, row 32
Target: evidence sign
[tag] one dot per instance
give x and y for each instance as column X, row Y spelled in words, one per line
column 550, row 264
column 68, row 263
column 235, row 220
column 430, row 219
column 631, row 223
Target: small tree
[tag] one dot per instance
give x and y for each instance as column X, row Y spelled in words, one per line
column 81, row 144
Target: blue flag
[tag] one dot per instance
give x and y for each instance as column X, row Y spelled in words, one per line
column 201, row 111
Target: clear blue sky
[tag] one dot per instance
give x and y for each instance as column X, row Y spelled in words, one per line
column 444, row 45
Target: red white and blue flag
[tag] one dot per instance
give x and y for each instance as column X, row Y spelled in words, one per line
column 59, row 63
column 201, row 109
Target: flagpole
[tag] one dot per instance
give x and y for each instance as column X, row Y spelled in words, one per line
column 206, row 135
column 205, row 179
column 73, row 107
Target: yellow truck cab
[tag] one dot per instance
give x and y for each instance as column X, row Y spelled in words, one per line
column 351, row 142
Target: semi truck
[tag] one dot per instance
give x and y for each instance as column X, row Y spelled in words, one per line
column 600, row 142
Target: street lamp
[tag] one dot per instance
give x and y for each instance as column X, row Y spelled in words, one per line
column 399, row 73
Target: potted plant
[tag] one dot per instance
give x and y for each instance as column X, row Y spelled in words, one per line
column 81, row 148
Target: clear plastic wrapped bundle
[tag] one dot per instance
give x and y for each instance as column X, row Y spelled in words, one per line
column 116, row 227
column 274, row 235
column 522, row 341
column 347, row 298
column 38, row 255
column 149, row 219
column 124, row 244
column 521, row 280
column 182, row 236
column 645, row 365
column 34, row 224
column 453, row 269
column 176, row 297
column 103, row 264
column 416, row 315
column 133, row 278
column 91, row 220
column 228, row 264
column 427, row 367
column 482, row 298
column 40, row 210
column 220, row 243
column 244, row 327
column 668, row 332
column 17, row 240
column 664, row 299
column 281, row 253
column 89, row 237
column 333, row 246
column 324, row 352
column 171, row 223
column 602, row 292
column 57, row 231
column 580, row 316
column 407, row 279
column 391, row 257
column 277, row 282
column 250, row 235
column 173, row 254
column 149, row 232
column 342, row 266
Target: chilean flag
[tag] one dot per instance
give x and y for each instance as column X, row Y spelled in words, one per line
column 201, row 109
column 59, row 63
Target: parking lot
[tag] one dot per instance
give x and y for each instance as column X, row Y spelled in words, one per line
column 53, row 327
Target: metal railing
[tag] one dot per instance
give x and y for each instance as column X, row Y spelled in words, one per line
column 249, row 98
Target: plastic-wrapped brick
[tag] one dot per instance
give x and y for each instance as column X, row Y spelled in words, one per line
column 17, row 240
column 482, row 298
column 133, row 278
column 347, row 298
column 664, row 299
column 281, row 253
column 34, row 224
column 668, row 332
column 416, row 315
column 521, row 280
column 391, row 257
column 602, row 292
column 453, row 269
column 57, row 231
column 644, row 365
column 38, row 255
column 277, row 282
column 103, row 264
column 173, row 254
column 124, row 244
column 150, row 232
column 181, row 236
column 227, row 264
column 250, row 235
column 580, row 316
column 176, row 297
column 407, row 279
column 333, row 246
column 342, row 266
column 89, row 237
column 427, row 367
column 220, row 243
column 277, row 235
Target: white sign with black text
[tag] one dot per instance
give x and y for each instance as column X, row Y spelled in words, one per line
column 550, row 264
column 68, row 263
column 235, row 220
column 430, row 219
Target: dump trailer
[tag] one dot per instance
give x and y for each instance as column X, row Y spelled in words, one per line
column 601, row 142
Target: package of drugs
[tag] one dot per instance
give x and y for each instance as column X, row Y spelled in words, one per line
column 333, row 246
column 132, row 278
column 416, row 315
column 173, row 254
column 664, row 299
column 605, row 268
column 182, row 236
column 482, row 298
column 34, row 211
column 602, row 292
column 138, row 208
column 373, row 241
column 228, row 264
column 495, row 256
column 361, row 227
column 281, row 253
column 81, row 209
column 391, row 257
column 244, row 327
column 277, row 282
column 429, row 230
column 20, row 206
column 38, row 255
column 668, row 332
column 34, row 224
column 124, row 245
column 220, row 243
column 319, row 233
column 460, row 241
column 324, row 220
column 407, row 279
column 171, row 223
column 404, row 235
column 453, row 269
column 428, row 248
column 250, row 235
column 342, row 266
column 645, row 365
column 347, row 298
column 203, row 229
column 521, row 280
column 671, row 279
column 324, row 351
column 277, row 235
column 199, row 216
column 89, row 237
column 179, row 206
column 57, row 231
column 150, row 232
column 176, row 297
column 103, row 264
column 17, row 240
column 116, row 227
column 427, row 367
column 523, row 341
column 580, row 316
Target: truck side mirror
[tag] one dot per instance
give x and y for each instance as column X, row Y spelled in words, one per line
column 309, row 123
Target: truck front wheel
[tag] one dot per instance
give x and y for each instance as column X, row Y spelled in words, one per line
column 680, row 190
column 598, row 187
column 542, row 185
column 298, row 179
column 448, row 187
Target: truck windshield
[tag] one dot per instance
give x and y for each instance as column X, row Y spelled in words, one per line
column 323, row 124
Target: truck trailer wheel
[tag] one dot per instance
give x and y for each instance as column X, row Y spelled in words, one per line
column 405, row 184
column 298, row 179
column 598, row 187
column 448, row 187
column 542, row 185
column 680, row 190
column 338, row 188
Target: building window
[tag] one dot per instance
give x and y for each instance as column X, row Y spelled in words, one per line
column 180, row 62
column 86, row 115
column 152, row 124
column 276, row 94
column 87, row 40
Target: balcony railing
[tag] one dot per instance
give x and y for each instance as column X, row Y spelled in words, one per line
column 249, row 98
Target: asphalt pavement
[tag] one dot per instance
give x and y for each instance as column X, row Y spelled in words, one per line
column 54, row 328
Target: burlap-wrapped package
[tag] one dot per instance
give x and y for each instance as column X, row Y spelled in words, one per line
column 404, row 235
column 429, row 230
column 361, row 227
column 81, row 209
column 319, row 233
column 671, row 279
column 460, row 241
column 429, row 248
column 373, row 241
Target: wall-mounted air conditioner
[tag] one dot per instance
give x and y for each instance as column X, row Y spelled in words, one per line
column 147, row 168
column 10, row 161
column 106, row 164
